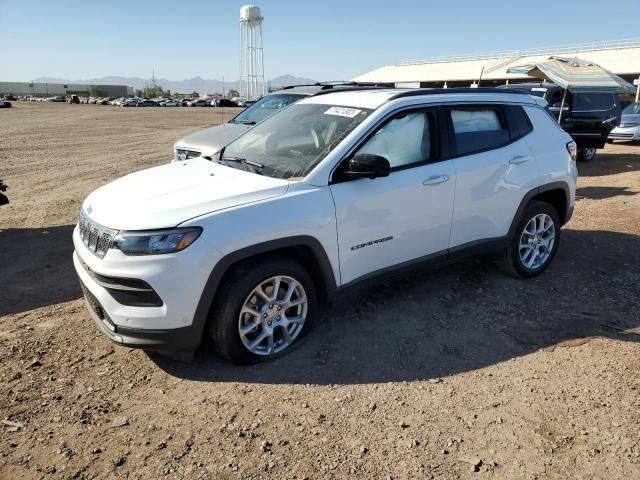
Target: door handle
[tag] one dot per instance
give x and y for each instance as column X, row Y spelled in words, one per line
column 435, row 180
column 517, row 160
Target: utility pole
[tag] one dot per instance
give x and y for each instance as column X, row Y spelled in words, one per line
column 638, row 89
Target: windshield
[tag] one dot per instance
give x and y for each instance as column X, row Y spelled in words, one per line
column 291, row 143
column 634, row 108
column 266, row 106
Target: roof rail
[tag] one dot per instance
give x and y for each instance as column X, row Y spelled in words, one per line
column 355, row 88
column 437, row 91
column 340, row 83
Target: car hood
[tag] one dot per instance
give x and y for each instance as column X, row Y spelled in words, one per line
column 630, row 118
column 165, row 196
column 211, row 140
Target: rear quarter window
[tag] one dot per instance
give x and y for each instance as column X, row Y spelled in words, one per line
column 519, row 123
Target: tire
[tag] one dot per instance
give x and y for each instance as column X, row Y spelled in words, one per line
column 238, row 291
column 514, row 260
column 586, row 154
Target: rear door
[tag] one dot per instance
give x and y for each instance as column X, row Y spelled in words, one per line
column 494, row 168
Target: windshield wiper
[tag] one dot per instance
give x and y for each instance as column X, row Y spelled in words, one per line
column 244, row 162
column 246, row 122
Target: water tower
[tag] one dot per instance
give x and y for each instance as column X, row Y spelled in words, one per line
column 251, row 59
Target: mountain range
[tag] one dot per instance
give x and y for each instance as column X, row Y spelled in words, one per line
column 188, row 85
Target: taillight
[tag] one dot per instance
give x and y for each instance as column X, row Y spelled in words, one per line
column 572, row 148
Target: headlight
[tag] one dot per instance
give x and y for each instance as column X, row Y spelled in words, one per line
column 156, row 242
column 186, row 154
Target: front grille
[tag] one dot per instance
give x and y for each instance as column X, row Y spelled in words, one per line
column 96, row 238
column 185, row 154
column 95, row 306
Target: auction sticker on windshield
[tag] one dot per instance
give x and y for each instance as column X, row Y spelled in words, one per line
column 343, row 111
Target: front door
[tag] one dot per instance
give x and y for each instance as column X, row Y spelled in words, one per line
column 387, row 221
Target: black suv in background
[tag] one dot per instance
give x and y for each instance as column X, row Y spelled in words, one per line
column 587, row 116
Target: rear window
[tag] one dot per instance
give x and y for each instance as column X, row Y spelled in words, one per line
column 267, row 106
column 584, row 102
column 478, row 129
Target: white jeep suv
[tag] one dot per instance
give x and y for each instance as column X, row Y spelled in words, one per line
column 325, row 195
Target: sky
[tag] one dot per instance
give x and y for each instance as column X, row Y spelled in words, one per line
column 322, row 40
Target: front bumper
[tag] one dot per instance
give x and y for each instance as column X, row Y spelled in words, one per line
column 621, row 133
column 186, row 339
column 178, row 279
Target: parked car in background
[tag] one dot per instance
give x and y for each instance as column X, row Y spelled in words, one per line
column 105, row 100
column 332, row 192
column 130, row 102
column 211, row 140
column 147, row 103
column 171, row 102
column 198, row 102
column 629, row 128
column 185, row 102
column 588, row 117
column 223, row 102
column 4, row 103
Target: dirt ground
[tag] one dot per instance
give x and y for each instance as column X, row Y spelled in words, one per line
column 457, row 373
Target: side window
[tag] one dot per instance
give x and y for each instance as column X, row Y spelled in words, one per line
column 519, row 123
column 592, row 101
column 478, row 129
column 404, row 140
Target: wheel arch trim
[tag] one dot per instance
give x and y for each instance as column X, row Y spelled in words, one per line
column 565, row 216
column 218, row 272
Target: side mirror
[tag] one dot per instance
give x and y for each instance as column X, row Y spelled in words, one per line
column 366, row 165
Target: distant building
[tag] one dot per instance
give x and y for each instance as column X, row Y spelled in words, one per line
column 52, row 89
column 620, row 57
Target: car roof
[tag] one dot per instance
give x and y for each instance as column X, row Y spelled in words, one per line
column 374, row 98
column 354, row 98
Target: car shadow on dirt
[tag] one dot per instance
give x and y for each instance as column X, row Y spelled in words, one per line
column 463, row 317
column 36, row 269
column 600, row 193
column 612, row 163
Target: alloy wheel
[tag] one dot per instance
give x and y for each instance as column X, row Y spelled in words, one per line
column 537, row 241
column 273, row 315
